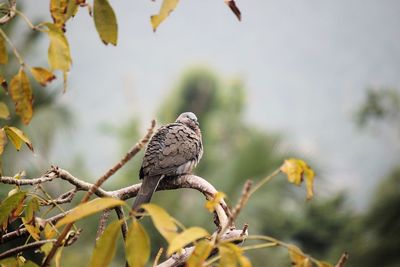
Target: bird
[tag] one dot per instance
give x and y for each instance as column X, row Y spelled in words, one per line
column 175, row 149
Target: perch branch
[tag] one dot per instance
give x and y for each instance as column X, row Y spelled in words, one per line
column 11, row 12
column 343, row 259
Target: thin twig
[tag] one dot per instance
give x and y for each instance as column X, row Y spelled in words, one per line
column 343, row 259
column 158, row 256
column 30, row 246
column 134, row 150
column 264, row 180
column 124, row 224
column 102, row 223
column 14, row 49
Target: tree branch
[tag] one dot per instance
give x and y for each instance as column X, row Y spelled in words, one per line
column 29, row 246
column 11, row 12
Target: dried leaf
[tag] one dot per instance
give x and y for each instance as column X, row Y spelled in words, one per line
column 295, row 170
column 137, row 246
column 59, row 52
column 105, row 248
column 201, row 252
column 186, row 237
column 3, row 140
column 58, row 11
column 9, row 204
column 105, row 21
column 4, row 113
column 232, row 5
column 21, row 94
column 42, row 75
column 89, row 208
column 164, row 223
column 3, row 51
column 214, row 202
column 17, row 137
column 166, row 8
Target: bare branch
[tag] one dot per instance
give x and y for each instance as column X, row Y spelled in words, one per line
column 29, row 246
column 102, row 223
column 11, row 13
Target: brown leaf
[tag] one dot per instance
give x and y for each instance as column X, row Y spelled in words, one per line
column 3, row 51
column 3, row 83
column 58, row 11
column 42, row 75
column 21, row 94
column 232, row 5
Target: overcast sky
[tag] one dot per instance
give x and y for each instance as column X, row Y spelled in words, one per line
column 306, row 65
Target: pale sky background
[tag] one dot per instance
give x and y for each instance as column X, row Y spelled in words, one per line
column 306, row 65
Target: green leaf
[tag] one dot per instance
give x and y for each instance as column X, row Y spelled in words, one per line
column 106, row 245
column 137, row 246
column 4, row 112
column 21, row 95
column 31, row 208
column 186, row 237
column 9, row 204
column 89, row 208
column 162, row 221
column 59, row 53
column 9, row 262
column 3, row 140
column 105, row 21
column 166, row 8
column 200, row 254
column 17, row 137
column 42, row 75
column 3, row 51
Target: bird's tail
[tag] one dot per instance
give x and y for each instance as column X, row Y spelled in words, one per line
column 146, row 191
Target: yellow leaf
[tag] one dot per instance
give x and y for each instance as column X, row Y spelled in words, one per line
column 72, row 9
column 162, row 221
column 105, row 21
column 10, row 204
column 57, row 258
column 59, row 52
column 89, row 208
column 46, row 248
column 298, row 258
column 49, row 231
column 244, row 261
column 3, row 140
column 9, row 262
column 228, row 257
column 104, row 250
column 296, row 170
column 4, row 113
column 21, row 94
column 31, row 208
column 214, row 202
column 42, row 75
column 58, row 11
column 137, row 245
column 166, row 8
column 201, row 252
column 186, row 237
column 32, row 229
column 17, row 137
column 3, row 51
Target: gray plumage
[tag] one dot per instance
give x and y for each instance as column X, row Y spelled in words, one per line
column 175, row 149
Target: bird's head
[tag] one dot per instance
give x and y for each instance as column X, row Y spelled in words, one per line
column 189, row 119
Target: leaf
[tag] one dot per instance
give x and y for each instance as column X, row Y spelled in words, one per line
column 166, row 8
column 201, row 252
column 57, row 258
column 228, row 257
column 21, row 94
column 137, row 245
column 234, row 8
column 58, row 10
column 3, row 140
column 186, row 237
column 105, row 21
column 46, row 248
column 3, row 83
column 17, row 137
column 72, row 9
column 105, row 248
column 59, row 53
column 298, row 258
column 9, row 204
column 3, row 51
column 89, row 208
column 4, row 112
column 215, row 201
column 42, row 75
column 9, row 262
column 32, row 229
column 49, row 231
column 31, row 208
column 295, row 170
column 29, row 264
column 162, row 221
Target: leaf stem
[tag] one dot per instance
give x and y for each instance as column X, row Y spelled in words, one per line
column 15, row 51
